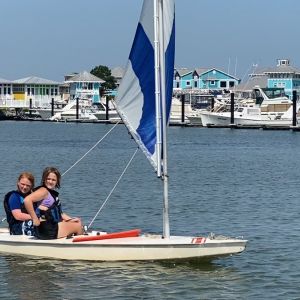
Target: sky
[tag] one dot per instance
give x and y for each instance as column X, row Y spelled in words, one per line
column 52, row 38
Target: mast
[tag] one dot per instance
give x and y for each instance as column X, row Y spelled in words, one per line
column 157, row 88
column 166, row 225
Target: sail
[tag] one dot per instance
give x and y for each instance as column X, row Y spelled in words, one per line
column 135, row 101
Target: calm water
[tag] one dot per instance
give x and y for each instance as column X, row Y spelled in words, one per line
column 231, row 182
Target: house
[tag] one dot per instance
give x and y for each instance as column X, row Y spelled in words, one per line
column 29, row 91
column 84, row 85
column 203, row 79
column 5, row 88
column 283, row 75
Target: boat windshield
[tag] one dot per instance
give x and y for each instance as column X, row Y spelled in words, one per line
column 274, row 92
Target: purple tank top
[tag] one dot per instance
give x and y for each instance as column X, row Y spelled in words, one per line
column 48, row 201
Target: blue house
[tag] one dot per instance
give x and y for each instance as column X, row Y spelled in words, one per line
column 282, row 76
column 204, row 78
column 185, row 79
column 85, row 86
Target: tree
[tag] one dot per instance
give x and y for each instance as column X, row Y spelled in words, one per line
column 104, row 73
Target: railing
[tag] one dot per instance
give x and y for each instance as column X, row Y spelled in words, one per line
column 9, row 102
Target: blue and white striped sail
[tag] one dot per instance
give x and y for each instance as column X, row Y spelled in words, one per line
column 136, row 99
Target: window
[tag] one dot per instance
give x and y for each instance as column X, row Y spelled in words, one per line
column 231, row 83
column 195, row 84
column 18, row 88
column 212, row 82
column 90, row 86
column 188, row 83
column 223, row 84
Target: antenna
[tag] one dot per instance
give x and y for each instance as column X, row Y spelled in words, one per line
column 228, row 68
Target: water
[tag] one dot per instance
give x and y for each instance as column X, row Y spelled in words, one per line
column 231, row 182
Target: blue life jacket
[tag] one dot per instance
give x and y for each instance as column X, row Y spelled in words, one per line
column 53, row 214
column 16, row 227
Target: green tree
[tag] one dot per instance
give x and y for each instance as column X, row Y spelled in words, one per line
column 104, row 73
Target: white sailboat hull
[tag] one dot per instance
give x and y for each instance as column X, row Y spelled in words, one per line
column 142, row 248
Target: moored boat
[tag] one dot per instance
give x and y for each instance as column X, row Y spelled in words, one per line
column 81, row 107
column 46, row 112
column 264, row 110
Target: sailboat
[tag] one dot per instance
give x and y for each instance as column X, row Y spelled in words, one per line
column 143, row 103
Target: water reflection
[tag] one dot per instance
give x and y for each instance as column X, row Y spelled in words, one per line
column 54, row 279
column 31, row 279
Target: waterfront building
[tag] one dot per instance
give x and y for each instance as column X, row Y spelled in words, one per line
column 5, row 89
column 203, row 78
column 29, row 91
column 84, row 85
column 283, row 75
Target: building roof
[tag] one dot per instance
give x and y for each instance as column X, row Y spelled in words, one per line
column 201, row 71
column 282, row 69
column 2, row 80
column 183, row 71
column 283, row 66
column 35, row 80
column 261, row 81
column 85, row 76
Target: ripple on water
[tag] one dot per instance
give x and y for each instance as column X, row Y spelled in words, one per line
column 232, row 182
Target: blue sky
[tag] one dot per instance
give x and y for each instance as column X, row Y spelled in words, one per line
column 51, row 38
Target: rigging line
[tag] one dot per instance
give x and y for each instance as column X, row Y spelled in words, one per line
column 132, row 157
column 90, row 149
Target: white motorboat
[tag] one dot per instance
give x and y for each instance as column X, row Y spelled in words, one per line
column 191, row 114
column 145, row 113
column 276, row 111
column 245, row 115
column 46, row 112
column 69, row 112
column 101, row 114
column 176, row 112
column 195, row 117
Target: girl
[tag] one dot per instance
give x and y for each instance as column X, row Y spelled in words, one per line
column 51, row 223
